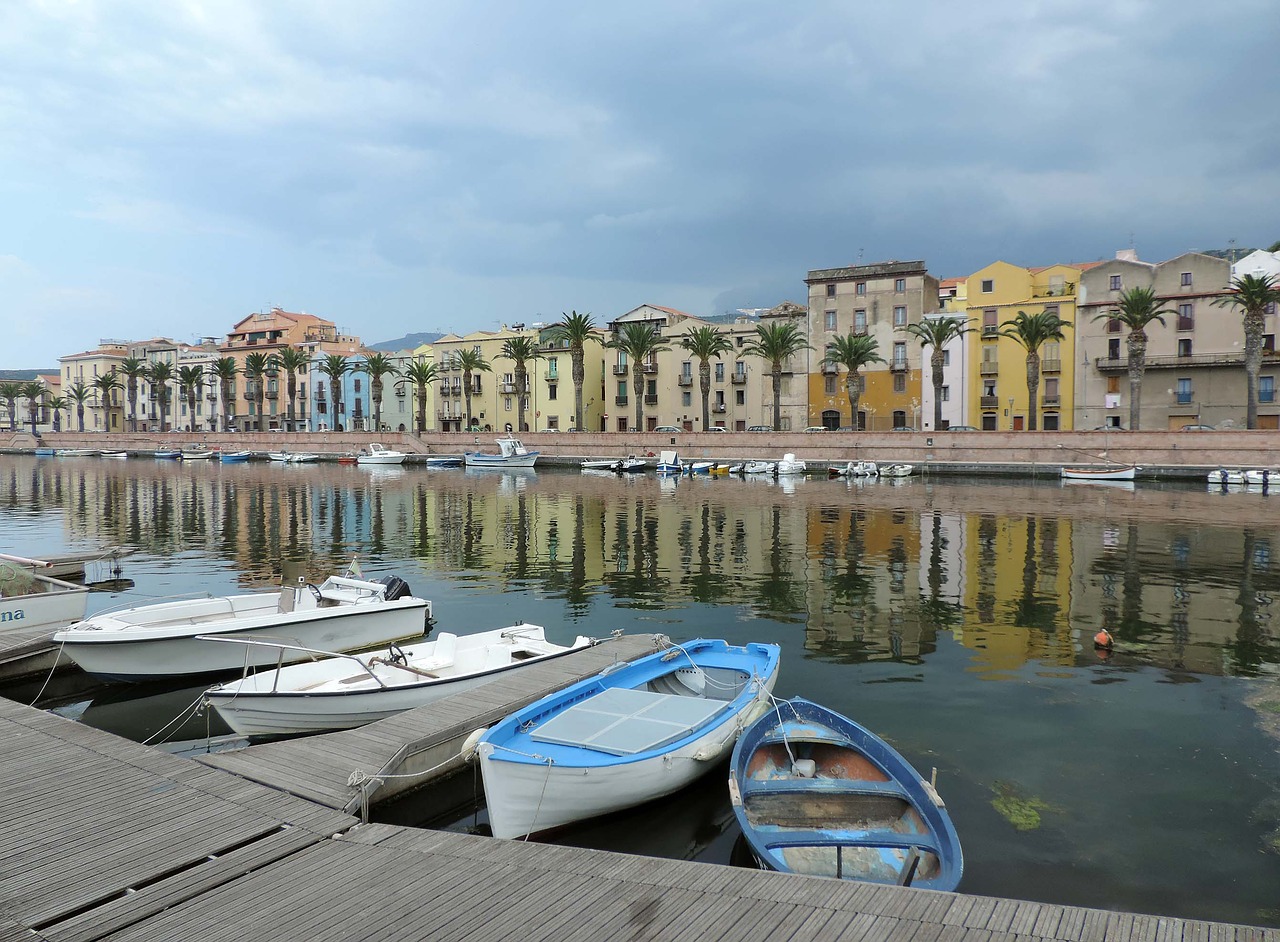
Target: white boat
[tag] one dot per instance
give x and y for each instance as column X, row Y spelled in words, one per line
column 346, row 691
column 161, row 640
column 669, row 463
column 600, row 464
column 760, row 467
column 444, row 461
column 1228, row 476
column 790, row 464
column 698, row 467
column 196, row 454
column 292, row 457
column 853, row 469
column 632, row 733
column 632, row 464
column 1118, row 472
column 1264, row 477
column 896, row 470
column 116, row 455
column 30, row 599
column 377, row 453
column 511, row 454
column 76, row 452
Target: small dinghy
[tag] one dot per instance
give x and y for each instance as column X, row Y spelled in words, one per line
column 899, row 470
column 234, row 457
column 760, row 467
column 817, row 794
column 1115, row 472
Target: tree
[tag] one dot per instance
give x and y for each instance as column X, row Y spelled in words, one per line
column 160, row 375
column 10, row 390
column 523, row 350
column 191, row 383
column 292, row 361
column 224, row 370
column 853, row 352
column 1136, row 308
column 776, row 344
column 1032, row 331
column 105, row 385
column 33, row 392
column 639, row 342
column 256, row 365
column 577, row 330
column 335, row 366
column 1251, row 294
column 377, row 365
column 79, row 393
column 936, row 333
column 704, row 343
column 132, row 369
column 420, row 375
column 56, row 407
column 470, row 361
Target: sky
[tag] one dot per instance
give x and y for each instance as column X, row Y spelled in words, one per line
column 169, row 167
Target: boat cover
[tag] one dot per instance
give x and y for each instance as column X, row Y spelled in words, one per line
column 623, row 722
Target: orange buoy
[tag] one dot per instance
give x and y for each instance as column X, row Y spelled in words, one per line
column 1103, row 639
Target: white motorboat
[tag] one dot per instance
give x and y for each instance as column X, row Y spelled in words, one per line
column 600, row 464
column 853, row 469
column 116, row 455
column 698, row 467
column 634, row 732
column 511, row 454
column 896, row 470
column 29, row 599
column 346, row 691
column 196, row 454
column 76, row 452
column 377, row 453
column 161, row 640
column 669, row 463
column 292, row 457
column 790, row 464
column 631, row 464
column 1262, row 477
column 444, row 461
column 760, row 467
column 1115, row 472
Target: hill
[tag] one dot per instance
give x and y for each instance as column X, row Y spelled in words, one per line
column 407, row 342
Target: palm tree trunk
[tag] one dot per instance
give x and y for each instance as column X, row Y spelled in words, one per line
column 522, row 378
column 377, row 403
column 579, row 379
column 466, row 392
column 704, row 384
column 1033, row 388
column 422, row 407
column 637, row 383
column 853, row 389
column 1253, row 327
column 133, row 403
column 1137, row 362
column 293, row 393
column 777, row 397
column 935, row 364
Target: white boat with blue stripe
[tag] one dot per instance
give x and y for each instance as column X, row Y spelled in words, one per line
column 639, row 731
column 511, row 454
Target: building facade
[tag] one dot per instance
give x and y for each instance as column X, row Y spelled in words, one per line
column 78, row 373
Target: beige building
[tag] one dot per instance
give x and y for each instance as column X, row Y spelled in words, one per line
column 1195, row 362
column 84, row 368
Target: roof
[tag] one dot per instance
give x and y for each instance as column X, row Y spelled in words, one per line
column 891, row 267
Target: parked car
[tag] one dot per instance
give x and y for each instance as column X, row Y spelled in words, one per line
column 816, row 428
column 760, row 428
column 1196, row 428
column 1110, row 428
column 963, row 428
column 666, row 429
column 902, row 428
column 715, row 428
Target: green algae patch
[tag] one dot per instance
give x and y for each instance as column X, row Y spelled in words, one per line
column 1022, row 811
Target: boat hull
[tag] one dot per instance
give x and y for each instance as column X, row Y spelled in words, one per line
column 479, row 459
column 59, row 604
column 1125, row 473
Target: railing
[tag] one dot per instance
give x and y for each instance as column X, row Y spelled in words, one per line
column 718, row 407
column 650, row 400
column 988, row 402
column 620, row 400
column 1174, row 362
column 212, row 397
column 990, row 330
column 685, row 380
column 898, row 366
column 1266, row 395
column 273, row 394
column 400, row 391
column 509, row 388
column 1051, row 366
column 1051, row 402
column 649, row 368
column 831, row 368
column 621, row 369
column 739, row 379
column 1183, row 398
column 989, row 368
column 551, row 376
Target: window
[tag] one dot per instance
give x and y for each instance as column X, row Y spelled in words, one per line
column 1115, row 282
column 1113, row 348
column 899, row 285
column 1184, row 391
column 1186, row 279
column 357, row 387
column 989, row 324
column 1184, row 347
column 989, row 388
column 900, row 316
column 946, row 393
column 899, row 382
column 988, row 285
column 946, row 358
column 860, row 288
column 1266, row 389
column 1051, row 309
column 1113, row 325
column 860, row 321
column 740, row 370
column 829, row 385
column 1186, row 317
column 740, row 397
column 1113, row 384
column 900, row 354
column 1049, row 421
column 686, row 399
column 686, row 369
column 1051, row 390
column 719, row 372
column 829, row 320
column 622, row 389
column 1268, row 344
column 551, row 391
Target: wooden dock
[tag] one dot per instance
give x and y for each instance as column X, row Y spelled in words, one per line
column 28, row 651
column 320, row 768
column 106, row 840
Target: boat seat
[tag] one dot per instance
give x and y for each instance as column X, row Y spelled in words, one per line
column 443, row 655
column 825, row 786
column 876, row 838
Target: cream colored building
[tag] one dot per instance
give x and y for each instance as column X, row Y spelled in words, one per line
column 85, row 368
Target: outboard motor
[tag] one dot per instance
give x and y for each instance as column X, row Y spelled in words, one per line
column 397, row 588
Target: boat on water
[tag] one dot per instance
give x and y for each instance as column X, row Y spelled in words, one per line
column 234, row 457
column 698, row 467
column 511, row 454
column 31, row 599
column 896, row 470
column 151, row 642
column 377, row 453
column 600, row 464
column 632, row 464
column 76, row 452
column 292, row 457
column 790, row 464
column 817, row 794
column 168, row 454
column 638, row 731
column 669, row 463
column 115, row 455
column 346, row 691
column 1115, row 472
column 196, row 454
column 444, row 461
column 45, row 452
column 854, row 469
column 760, row 467
column 348, row 459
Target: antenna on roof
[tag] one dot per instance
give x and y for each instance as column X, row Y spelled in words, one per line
column 858, row 260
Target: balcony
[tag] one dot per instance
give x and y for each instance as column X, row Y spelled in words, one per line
column 1183, row 398
column 651, row 400
column 738, row 379
column 685, row 380
column 1051, row 366
column 988, row 402
column 621, row 369
column 508, row 389
column 400, row 391
column 831, row 369
column 990, row 330
column 551, row 376
column 1051, row 402
column 898, row 366
column 718, row 407
column 1120, row 364
column 273, row 394
column 989, row 368
column 620, row 400
column 649, row 368
column 212, row 397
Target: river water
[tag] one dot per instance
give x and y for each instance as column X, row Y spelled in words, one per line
column 953, row 618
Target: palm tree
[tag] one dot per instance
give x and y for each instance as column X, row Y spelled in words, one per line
column 377, row 365
column 33, row 392
column 105, row 385
column 292, row 361
column 191, row 383
column 639, row 342
column 224, row 370
column 9, row 392
column 704, row 343
column 420, row 374
column 776, row 343
column 1033, row 331
column 937, row 332
column 523, row 350
column 853, row 352
column 132, row 369
column 56, row 406
column 1136, row 308
column 256, row 365
column 1252, row 294
column 578, row 330
column 79, row 393
column 335, row 366
column 160, row 375
column 470, row 361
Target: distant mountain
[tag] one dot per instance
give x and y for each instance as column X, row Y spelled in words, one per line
column 1231, row 255
column 25, row 376
column 407, row 342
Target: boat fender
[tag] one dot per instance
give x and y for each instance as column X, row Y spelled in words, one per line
column 804, row 768
column 1103, row 640
column 469, row 744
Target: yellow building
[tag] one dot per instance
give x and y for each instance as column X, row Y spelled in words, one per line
column 84, row 368
column 997, row 365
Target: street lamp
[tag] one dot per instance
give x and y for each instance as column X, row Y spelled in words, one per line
column 1011, row 414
